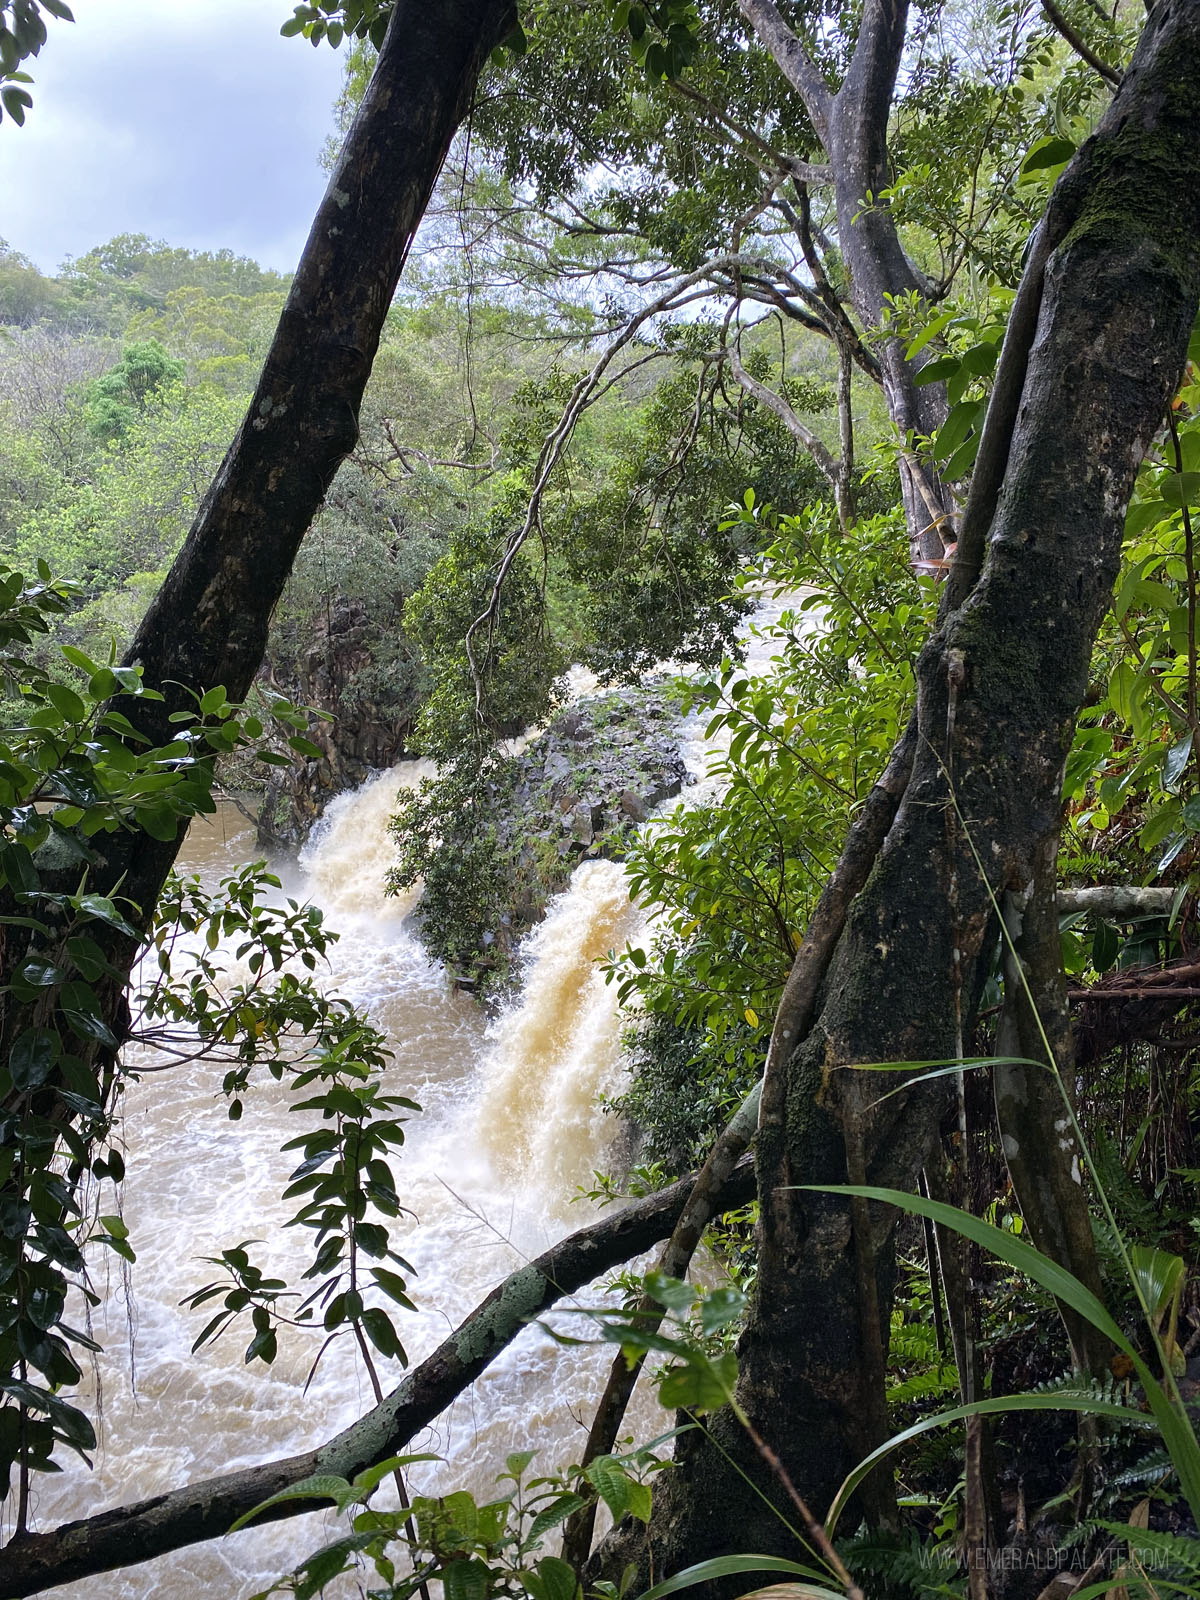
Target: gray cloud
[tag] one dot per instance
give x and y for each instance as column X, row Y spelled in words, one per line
column 193, row 123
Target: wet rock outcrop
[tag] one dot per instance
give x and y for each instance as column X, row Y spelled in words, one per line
column 492, row 850
column 370, row 705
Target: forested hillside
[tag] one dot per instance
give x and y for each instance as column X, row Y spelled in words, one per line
column 873, row 332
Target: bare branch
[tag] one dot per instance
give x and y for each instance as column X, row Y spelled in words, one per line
column 681, row 292
column 814, row 172
column 1117, row 900
column 778, row 406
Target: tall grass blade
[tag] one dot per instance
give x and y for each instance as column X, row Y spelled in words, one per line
column 1174, row 1424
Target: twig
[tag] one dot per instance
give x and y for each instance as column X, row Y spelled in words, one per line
column 1080, row 45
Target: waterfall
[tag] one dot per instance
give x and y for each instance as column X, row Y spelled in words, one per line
column 510, row 1129
column 557, row 1050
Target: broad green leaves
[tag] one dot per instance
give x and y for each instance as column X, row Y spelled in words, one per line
column 22, row 35
column 475, row 1549
column 1134, row 764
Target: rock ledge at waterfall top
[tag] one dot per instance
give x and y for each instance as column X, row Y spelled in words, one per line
column 577, row 791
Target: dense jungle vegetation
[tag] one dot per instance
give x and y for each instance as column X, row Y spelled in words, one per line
column 888, row 311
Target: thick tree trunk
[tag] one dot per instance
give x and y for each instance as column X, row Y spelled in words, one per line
column 208, row 624
column 1000, row 686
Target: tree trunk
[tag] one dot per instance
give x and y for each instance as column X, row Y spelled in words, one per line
column 999, row 689
column 853, row 126
column 208, row 624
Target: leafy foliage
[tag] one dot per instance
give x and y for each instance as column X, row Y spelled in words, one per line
column 732, row 881
column 74, row 769
column 332, row 1059
column 22, row 35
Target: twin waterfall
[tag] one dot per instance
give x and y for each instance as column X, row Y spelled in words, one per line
column 509, row 1130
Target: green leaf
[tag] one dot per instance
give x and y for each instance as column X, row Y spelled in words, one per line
column 465, row 1580
column 382, row 1334
column 669, row 1292
column 558, row 1580
column 37, row 974
column 1048, row 152
column 957, row 425
column 1105, row 945
column 88, row 958
column 929, row 333
column 1179, row 488
column 720, row 1307
column 81, row 1008
column 1123, row 691
column 701, row 1385
column 1159, row 1274
column 1176, row 761
column 611, row 1483
column 324, row 1486
column 730, row 1567
column 159, row 821
column 641, row 1500
column 1174, row 846
column 369, row 1479
column 517, row 1464
column 66, row 701
column 963, row 459
column 937, row 371
column 101, row 909
column 564, row 1506
column 31, row 1059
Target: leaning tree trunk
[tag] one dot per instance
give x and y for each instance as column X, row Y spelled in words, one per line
column 999, row 689
column 208, row 624
column 126, row 1535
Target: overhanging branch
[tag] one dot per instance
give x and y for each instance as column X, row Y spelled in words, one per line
column 201, row 1511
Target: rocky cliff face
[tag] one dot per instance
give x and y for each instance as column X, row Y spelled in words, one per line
column 492, row 853
column 600, row 767
column 366, row 732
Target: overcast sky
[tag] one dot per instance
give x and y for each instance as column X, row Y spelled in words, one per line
column 188, row 120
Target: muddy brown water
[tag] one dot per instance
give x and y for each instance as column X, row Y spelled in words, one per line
column 510, row 1127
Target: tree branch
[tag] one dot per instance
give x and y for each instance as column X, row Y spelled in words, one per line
column 202, row 1511
column 793, row 61
column 1080, row 45
column 1116, row 900
column 866, row 91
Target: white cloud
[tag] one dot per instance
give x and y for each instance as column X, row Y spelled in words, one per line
column 191, row 122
